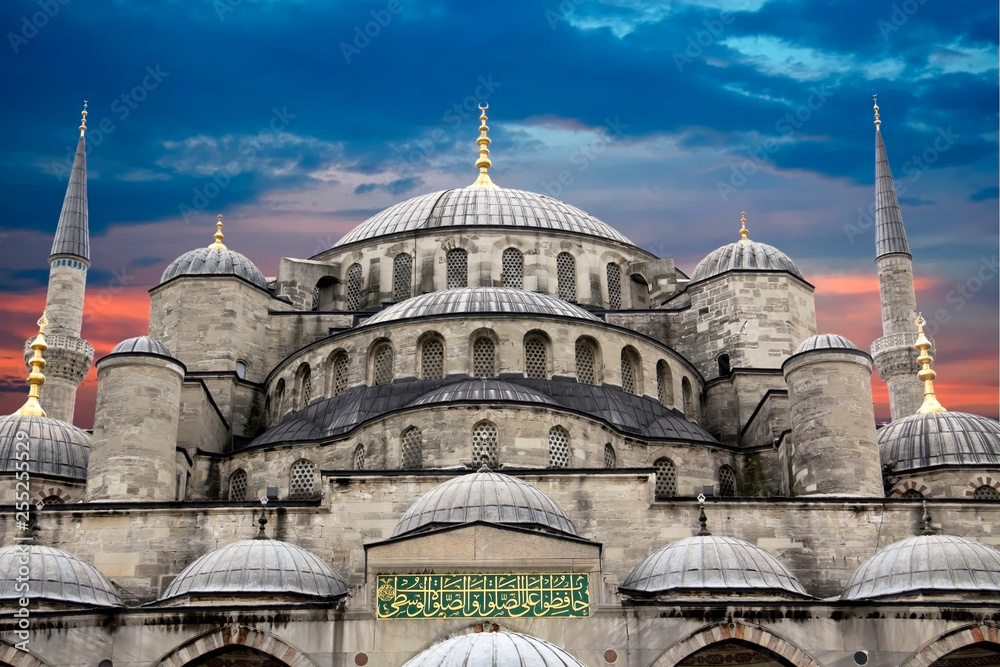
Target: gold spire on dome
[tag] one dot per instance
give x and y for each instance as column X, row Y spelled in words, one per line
column 31, row 407
column 483, row 163
column 926, row 374
column 744, row 232
column 218, row 245
column 877, row 121
column 83, row 119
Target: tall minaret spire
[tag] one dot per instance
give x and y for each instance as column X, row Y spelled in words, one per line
column 68, row 357
column 894, row 353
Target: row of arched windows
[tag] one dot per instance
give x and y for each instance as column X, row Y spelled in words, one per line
column 301, row 482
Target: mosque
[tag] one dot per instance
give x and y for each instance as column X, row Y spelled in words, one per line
column 486, row 429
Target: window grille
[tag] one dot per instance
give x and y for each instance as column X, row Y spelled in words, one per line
column 610, row 457
column 339, row 374
column 585, row 363
column 614, row 287
column 628, row 373
column 315, row 298
column 359, row 457
column 666, row 479
column 432, row 359
column 354, row 286
column 305, row 385
column 238, row 485
column 558, row 447
column 986, row 492
column 52, row 500
column 483, row 358
column 566, row 273
column 484, row 445
column 534, row 358
column 382, row 364
column 302, row 484
column 402, row 276
column 512, row 262
column 457, row 261
column 911, row 493
column 727, row 481
column 410, row 448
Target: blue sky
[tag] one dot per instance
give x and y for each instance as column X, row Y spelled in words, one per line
column 297, row 120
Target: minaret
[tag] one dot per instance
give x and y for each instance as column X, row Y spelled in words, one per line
column 68, row 356
column 894, row 354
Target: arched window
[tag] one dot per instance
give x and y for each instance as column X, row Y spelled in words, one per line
column 402, row 276
column 559, row 454
column 57, row 500
column 303, row 385
column 241, row 369
column 666, row 479
column 355, row 284
column 664, row 383
column 410, row 448
column 727, row 481
column 322, row 293
column 724, row 368
column 485, row 449
column 338, row 373
column 614, row 286
column 432, row 358
column 279, row 399
column 535, row 357
column 483, row 358
column 913, row 493
column 302, row 480
column 382, row 364
column 986, row 492
column 457, row 264
column 688, row 398
column 631, row 371
column 610, row 457
column 358, row 458
column 238, row 485
column 512, row 263
column 586, row 368
column 566, row 274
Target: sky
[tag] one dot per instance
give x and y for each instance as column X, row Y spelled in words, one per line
column 299, row 119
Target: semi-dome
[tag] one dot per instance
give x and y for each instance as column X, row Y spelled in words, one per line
column 744, row 255
column 483, row 390
column 54, row 447
column 927, row 564
column 55, row 576
column 825, row 342
column 479, row 300
column 494, row 649
column 214, row 262
column 711, row 563
column 940, row 439
column 481, row 207
column 485, row 496
column 141, row 344
column 258, row 567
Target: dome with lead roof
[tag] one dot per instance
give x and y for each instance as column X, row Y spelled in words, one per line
column 467, row 300
column 825, row 342
column 142, row 345
column 54, row 447
column 55, row 576
column 494, row 649
column 482, row 390
column 485, row 496
column 215, row 260
column 940, row 439
column 744, row 255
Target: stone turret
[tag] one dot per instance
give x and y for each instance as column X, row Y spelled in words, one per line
column 894, row 354
column 69, row 356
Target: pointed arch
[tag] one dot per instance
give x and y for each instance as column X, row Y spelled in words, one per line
column 233, row 635
column 13, row 656
column 951, row 641
column 749, row 634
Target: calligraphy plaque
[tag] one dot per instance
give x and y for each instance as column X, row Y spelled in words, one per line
column 482, row 595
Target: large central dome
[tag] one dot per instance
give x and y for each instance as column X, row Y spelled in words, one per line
column 483, row 207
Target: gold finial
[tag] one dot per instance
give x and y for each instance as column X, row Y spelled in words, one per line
column 926, row 374
column 483, row 163
column 31, row 407
column 83, row 119
column 744, row 232
column 218, row 245
column 877, row 121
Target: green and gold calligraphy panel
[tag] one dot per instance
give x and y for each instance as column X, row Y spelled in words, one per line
column 482, row 595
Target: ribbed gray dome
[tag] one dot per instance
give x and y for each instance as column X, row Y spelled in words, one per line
column 214, row 262
column 927, row 563
column 493, row 649
column 143, row 344
column 485, row 496
column 483, row 390
column 711, row 563
column 479, row 207
column 56, row 576
column 744, row 255
column 479, row 300
column 259, row 567
column 825, row 342
column 940, row 438
column 54, row 447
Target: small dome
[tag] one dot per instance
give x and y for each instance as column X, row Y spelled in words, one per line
column 493, row 649
column 744, row 255
column 143, row 344
column 258, row 567
column 825, row 342
column 479, row 300
column 940, row 439
column 54, row 447
column 56, row 576
column 711, row 563
column 483, row 390
column 214, row 262
column 927, row 564
column 485, row 496
column 480, row 207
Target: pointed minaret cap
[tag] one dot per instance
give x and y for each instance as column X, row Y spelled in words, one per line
column 877, row 121
column 483, row 163
column 926, row 375
column 218, row 245
column 31, row 407
column 890, row 235
column 72, row 233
